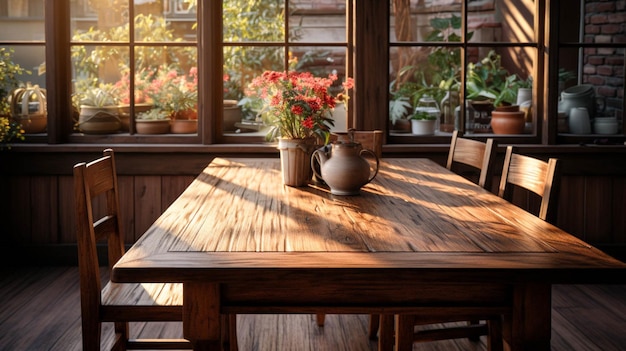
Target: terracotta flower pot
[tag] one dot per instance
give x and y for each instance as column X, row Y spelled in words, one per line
column 153, row 126
column 503, row 122
column 184, row 126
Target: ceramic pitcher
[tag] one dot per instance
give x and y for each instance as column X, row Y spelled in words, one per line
column 343, row 167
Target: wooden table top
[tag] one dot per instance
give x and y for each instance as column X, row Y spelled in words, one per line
column 237, row 216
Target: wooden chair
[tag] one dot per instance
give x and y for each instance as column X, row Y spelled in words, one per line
column 480, row 156
column 369, row 139
column 475, row 154
column 537, row 176
column 95, row 186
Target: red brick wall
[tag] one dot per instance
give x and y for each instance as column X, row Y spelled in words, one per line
column 605, row 22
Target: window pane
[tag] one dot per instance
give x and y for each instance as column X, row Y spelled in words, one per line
column 424, row 78
column 591, row 78
column 313, row 22
column 411, row 22
column 253, row 21
column 241, row 66
column 493, row 21
column 494, row 80
column 22, row 86
column 175, row 20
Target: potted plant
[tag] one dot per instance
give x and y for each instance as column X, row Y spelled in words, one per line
column 18, row 121
column 141, row 101
column 493, row 93
column 99, row 110
column 423, row 123
column 175, row 93
column 155, row 121
column 298, row 109
column 399, row 111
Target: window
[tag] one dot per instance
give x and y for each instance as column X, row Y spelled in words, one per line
column 22, row 67
column 426, row 50
column 590, row 72
column 442, row 53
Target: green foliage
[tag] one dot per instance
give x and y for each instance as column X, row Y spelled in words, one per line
column 153, row 115
column 252, row 21
column 399, row 108
column 423, row 115
column 489, row 80
column 9, row 78
column 88, row 61
column 441, row 72
column 103, row 95
column 9, row 131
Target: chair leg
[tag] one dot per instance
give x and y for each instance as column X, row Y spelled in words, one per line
column 404, row 332
column 232, row 332
column 121, row 336
column 374, row 325
column 91, row 334
column 321, row 318
column 474, row 338
column 495, row 337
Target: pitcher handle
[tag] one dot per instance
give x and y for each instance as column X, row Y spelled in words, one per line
column 377, row 162
column 315, row 157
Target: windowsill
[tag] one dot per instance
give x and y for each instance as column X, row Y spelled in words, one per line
column 269, row 149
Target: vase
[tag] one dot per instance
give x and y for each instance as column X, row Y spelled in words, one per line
column 579, row 121
column 295, row 160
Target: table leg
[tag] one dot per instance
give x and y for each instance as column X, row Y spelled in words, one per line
column 386, row 333
column 529, row 326
column 201, row 315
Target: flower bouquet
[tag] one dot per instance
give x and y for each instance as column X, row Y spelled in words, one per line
column 297, row 105
column 298, row 108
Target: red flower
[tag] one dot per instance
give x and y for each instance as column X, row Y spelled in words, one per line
column 298, row 103
column 297, row 109
column 308, row 123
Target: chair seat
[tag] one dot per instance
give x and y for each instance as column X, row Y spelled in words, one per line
column 144, row 294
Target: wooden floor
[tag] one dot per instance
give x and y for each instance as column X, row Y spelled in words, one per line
column 40, row 310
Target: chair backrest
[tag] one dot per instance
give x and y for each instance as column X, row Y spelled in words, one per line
column 537, row 176
column 369, row 139
column 476, row 154
column 96, row 181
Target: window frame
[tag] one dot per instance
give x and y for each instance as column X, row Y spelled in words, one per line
column 369, row 108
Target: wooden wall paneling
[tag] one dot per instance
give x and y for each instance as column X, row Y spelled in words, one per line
column 597, row 206
column 619, row 210
column 571, row 217
column 18, row 220
column 126, row 188
column 147, row 207
column 172, row 187
column 67, row 217
column 45, row 211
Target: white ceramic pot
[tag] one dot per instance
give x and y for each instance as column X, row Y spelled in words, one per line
column 423, row 126
column 578, row 96
column 605, row 125
column 579, row 121
column 524, row 95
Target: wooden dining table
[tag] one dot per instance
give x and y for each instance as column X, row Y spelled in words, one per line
column 418, row 238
